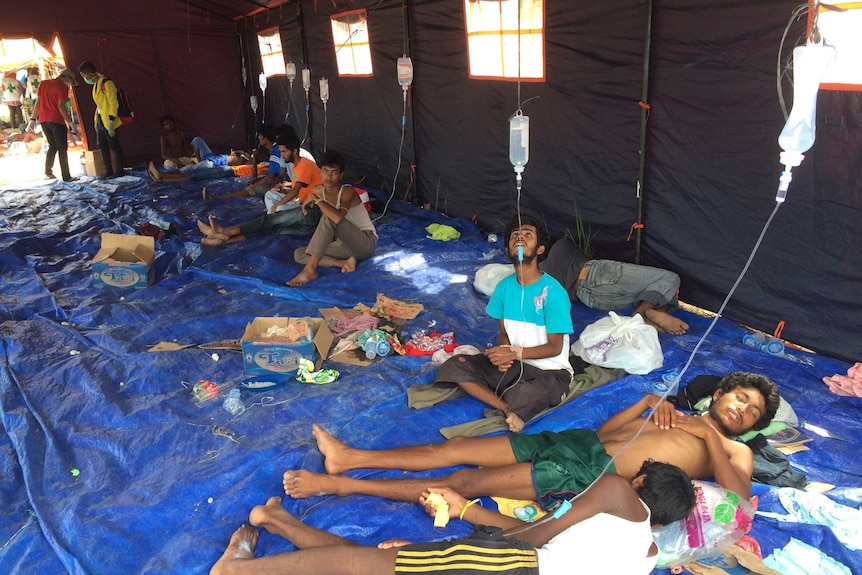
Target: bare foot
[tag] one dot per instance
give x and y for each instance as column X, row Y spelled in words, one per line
column 205, row 229
column 349, row 265
column 336, row 454
column 267, row 515
column 241, row 548
column 303, row 278
column 212, row 242
column 216, row 227
column 299, row 483
column 664, row 322
column 514, row 421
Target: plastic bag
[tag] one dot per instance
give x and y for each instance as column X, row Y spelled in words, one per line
column 719, row 518
column 488, row 276
column 620, row 342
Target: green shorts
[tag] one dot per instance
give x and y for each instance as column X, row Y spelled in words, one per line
column 564, row 463
column 468, row 556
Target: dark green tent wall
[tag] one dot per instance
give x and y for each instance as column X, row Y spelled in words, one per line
column 711, row 154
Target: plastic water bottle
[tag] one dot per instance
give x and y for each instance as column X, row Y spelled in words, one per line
column 756, row 340
column 233, row 404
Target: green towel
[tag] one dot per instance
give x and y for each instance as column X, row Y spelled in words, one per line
column 442, row 232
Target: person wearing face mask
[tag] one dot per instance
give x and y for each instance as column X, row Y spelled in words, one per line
column 106, row 119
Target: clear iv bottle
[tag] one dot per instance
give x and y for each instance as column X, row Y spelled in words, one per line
column 519, row 140
column 809, row 64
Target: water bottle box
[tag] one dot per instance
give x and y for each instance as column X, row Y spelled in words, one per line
column 263, row 354
column 124, row 261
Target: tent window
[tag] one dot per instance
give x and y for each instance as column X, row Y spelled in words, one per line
column 271, row 56
column 841, row 29
column 351, row 42
column 496, row 35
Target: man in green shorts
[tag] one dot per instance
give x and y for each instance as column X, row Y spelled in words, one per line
column 550, row 466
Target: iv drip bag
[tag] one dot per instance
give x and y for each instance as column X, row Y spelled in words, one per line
column 405, row 72
column 262, row 81
column 809, row 64
column 306, row 79
column 519, row 141
column 253, row 101
column 290, row 71
column 324, row 90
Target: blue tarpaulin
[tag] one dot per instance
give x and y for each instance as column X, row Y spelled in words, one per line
column 110, row 465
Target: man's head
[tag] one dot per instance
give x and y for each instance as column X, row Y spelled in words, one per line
column 167, row 122
column 88, row 71
column 744, row 401
column 266, row 135
column 288, row 143
column 331, row 167
column 667, row 491
column 531, row 234
column 67, row 77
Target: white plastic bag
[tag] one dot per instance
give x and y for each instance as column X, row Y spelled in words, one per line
column 620, row 342
column 719, row 518
column 488, row 276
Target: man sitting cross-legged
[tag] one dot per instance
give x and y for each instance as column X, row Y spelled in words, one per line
column 550, row 466
column 610, row 525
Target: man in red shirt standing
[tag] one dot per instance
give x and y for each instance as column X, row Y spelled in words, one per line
column 53, row 115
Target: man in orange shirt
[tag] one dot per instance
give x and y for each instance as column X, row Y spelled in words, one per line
column 53, row 115
column 304, row 177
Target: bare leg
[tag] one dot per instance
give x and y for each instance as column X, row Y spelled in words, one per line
column 480, row 451
column 481, row 392
column 660, row 319
column 275, row 519
column 330, row 560
column 308, row 273
column 512, row 481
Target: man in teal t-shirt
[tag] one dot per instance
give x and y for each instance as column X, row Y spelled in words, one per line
column 528, row 370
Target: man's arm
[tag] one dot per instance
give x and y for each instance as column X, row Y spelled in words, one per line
column 732, row 463
column 664, row 415
column 292, row 193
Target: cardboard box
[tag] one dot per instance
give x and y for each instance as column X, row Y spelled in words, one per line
column 353, row 356
column 93, row 164
column 124, row 261
column 262, row 355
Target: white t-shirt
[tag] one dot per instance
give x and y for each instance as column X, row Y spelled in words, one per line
column 604, row 544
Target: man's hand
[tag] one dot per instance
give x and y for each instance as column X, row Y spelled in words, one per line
column 455, row 501
column 392, row 543
column 501, row 356
column 664, row 414
column 111, row 131
column 695, row 425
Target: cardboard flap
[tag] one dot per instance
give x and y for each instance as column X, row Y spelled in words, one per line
column 351, row 356
column 126, row 248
